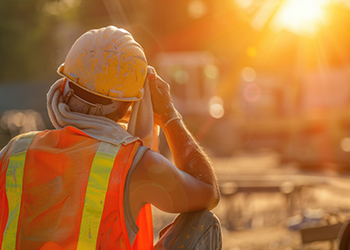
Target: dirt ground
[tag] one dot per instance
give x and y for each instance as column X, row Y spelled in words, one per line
column 259, row 220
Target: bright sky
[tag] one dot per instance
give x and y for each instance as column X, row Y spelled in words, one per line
column 298, row 16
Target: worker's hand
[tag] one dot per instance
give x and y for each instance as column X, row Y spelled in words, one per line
column 163, row 106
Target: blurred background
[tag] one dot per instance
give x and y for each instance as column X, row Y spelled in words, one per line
column 263, row 85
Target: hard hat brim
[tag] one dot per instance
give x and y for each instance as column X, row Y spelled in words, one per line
column 74, row 81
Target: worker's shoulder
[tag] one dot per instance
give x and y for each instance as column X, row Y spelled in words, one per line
column 10, row 145
column 151, row 158
column 153, row 162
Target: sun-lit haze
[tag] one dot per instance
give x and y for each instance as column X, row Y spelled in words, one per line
column 262, row 85
column 301, row 16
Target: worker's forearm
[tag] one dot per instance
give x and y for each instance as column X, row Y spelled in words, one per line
column 185, row 150
column 189, row 156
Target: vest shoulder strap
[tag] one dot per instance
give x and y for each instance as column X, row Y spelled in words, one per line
column 14, row 182
column 96, row 194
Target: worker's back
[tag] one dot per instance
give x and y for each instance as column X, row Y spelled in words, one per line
column 65, row 190
column 68, row 189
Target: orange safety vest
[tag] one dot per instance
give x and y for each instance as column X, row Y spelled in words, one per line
column 62, row 189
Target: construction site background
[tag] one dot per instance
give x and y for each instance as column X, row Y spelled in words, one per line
column 264, row 86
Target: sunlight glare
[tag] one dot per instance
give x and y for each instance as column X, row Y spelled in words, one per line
column 301, row 16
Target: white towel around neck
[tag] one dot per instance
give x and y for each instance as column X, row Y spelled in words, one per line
column 140, row 126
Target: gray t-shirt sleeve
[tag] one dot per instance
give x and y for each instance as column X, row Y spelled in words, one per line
column 131, row 226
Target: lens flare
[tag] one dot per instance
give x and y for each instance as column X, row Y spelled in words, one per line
column 211, row 71
column 252, row 92
column 248, row 74
column 217, row 111
column 197, row 9
column 216, row 107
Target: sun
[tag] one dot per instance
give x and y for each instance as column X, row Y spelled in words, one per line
column 301, row 16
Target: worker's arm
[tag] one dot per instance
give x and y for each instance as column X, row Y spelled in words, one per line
column 190, row 185
column 188, row 155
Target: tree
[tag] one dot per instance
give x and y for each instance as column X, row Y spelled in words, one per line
column 25, row 41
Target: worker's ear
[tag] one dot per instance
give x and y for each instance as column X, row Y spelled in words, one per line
column 128, row 112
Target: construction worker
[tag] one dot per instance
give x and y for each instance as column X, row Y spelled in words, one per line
column 89, row 183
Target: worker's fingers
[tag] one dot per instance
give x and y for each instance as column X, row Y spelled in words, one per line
column 158, row 84
column 160, row 90
column 163, row 107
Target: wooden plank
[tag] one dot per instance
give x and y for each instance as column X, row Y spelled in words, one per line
column 322, row 233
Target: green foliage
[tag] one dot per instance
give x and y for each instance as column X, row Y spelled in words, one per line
column 27, row 41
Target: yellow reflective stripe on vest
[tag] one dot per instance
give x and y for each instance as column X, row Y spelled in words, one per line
column 96, row 194
column 14, row 182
